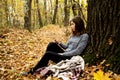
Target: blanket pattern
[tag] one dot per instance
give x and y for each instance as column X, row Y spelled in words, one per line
column 65, row 69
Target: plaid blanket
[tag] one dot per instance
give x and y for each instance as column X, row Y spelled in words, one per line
column 65, row 69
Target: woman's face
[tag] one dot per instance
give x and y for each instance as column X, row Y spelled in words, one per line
column 72, row 25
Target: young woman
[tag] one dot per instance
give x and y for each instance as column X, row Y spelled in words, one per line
column 57, row 51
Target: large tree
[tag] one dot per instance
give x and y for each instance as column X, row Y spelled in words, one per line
column 104, row 29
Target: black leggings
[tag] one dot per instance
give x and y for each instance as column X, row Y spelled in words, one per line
column 51, row 54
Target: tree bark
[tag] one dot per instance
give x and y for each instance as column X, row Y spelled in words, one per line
column 39, row 15
column 45, row 12
column 103, row 27
column 1, row 13
column 75, row 8
column 6, row 12
column 55, row 13
column 67, row 12
column 80, row 12
column 27, row 17
column 51, row 12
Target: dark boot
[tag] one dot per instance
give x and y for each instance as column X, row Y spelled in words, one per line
column 31, row 71
column 26, row 73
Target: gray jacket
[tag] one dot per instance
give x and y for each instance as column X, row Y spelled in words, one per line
column 75, row 45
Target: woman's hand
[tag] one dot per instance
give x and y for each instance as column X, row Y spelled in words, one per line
column 60, row 53
column 58, row 42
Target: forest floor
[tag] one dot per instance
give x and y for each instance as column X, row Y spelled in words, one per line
column 20, row 50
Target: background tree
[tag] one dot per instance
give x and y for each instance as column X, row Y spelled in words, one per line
column 80, row 12
column 6, row 12
column 75, row 7
column 27, row 17
column 1, row 13
column 45, row 11
column 104, row 28
column 15, row 13
column 55, row 12
column 67, row 12
column 34, row 14
column 39, row 15
column 50, row 14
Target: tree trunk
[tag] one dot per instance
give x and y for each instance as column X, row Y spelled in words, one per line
column 27, row 17
column 45, row 12
column 75, row 8
column 1, row 13
column 51, row 13
column 55, row 13
column 33, row 12
column 39, row 15
column 80, row 12
column 6, row 13
column 67, row 12
column 104, row 29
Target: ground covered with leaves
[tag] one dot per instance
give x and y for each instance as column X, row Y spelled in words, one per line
column 20, row 50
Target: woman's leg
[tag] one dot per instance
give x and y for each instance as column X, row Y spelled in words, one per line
column 51, row 53
column 49, row 56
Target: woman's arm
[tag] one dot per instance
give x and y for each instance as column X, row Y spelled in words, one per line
column 81, row 46
column 64, row 46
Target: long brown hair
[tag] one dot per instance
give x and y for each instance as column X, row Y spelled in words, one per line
column 79, row 26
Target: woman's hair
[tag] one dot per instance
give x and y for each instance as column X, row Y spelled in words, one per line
column 79, row 26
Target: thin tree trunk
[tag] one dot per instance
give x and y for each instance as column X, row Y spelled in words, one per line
column 39, row 15
column 67, row 12
column 74, row 8
column 51, row 4
column 34, row 15
column 1, row 13
column 80, row 13
column 27, row 17
column 45, row 11
column 13, row 13
column 6, row 13
column 55, row 13
column 51, row 12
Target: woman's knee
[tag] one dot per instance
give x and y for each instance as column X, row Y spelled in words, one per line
column 51, row 44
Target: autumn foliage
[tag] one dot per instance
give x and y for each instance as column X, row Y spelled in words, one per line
column 20, row 50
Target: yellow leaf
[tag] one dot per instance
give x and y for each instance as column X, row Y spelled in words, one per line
column 99, row 75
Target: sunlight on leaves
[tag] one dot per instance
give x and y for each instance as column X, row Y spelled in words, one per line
column 21, row 50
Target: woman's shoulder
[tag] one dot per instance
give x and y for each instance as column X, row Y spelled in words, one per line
column 85, row 34
column 79, row 36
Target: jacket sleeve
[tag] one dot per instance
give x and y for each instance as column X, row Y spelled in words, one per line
column 65, row 45
column 81, row 46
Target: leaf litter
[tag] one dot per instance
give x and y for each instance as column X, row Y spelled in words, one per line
column 20, row 50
